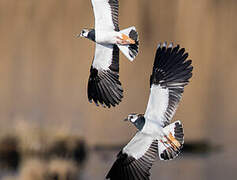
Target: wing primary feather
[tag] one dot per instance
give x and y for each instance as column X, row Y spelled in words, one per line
column 143, row 168
column 127, row 167
column 171, row 72
column 109, row 96
column 112, row 96
column 133, row 172
column 139, row 170
column 113, row 87
column 106, row 101
column 99, row 94
column 125, row 175
column 136, row 172
column 129, row 173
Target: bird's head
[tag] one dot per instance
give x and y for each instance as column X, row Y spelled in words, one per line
column 136, row 119
column 88, row 33
column 84, row 33
column 132, row 117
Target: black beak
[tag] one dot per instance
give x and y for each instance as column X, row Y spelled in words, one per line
column 126, row 119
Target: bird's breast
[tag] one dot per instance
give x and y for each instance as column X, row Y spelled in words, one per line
column 152, row 129
column 106, row 37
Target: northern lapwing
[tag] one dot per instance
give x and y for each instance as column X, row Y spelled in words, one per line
column 156, row 134
column 104, row 86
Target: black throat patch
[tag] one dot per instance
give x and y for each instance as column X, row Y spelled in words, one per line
column 139, row 123
column 91, row 35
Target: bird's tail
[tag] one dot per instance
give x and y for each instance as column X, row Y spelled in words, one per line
column 170, row 145
column 130, row 50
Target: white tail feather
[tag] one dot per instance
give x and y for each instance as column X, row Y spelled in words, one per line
column 130, row 50
column 124, row 49
column 170, row 145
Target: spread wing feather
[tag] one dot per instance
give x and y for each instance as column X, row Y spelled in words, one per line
column 106, row 14
column 134, row 161
column 171, row 72
column 104, row 86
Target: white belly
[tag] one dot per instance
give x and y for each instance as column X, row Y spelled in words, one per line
column 153, row 129
column 106, row 37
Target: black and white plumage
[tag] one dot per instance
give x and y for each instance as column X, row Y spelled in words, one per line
column 136, row 166
column 156, row 136
column 106, row 14
column 104, row 86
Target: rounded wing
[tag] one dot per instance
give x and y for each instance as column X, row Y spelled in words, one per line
column 171, row 72
column 104, row 86
column 135, row 160
column 106, row 14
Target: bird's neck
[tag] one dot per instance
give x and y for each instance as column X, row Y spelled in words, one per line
column 140, row 122
column 91, row 35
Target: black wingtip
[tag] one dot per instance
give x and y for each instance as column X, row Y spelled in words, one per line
column 128, row 168
column 171, row 65
column 104, row 88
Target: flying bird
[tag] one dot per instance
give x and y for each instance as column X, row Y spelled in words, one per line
column 104, row 86
column 156, row 134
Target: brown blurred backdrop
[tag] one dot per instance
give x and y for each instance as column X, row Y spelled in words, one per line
column 44, row 68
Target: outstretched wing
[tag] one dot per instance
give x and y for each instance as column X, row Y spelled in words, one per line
column 104, row 86
column 106, row 14
column 171, row 72
column 135, row 160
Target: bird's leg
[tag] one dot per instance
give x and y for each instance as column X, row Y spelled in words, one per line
column 121, row 41
column 174, row 140
column 124, row 40
column 173, row 145
column 164, row 143
column 168, row 147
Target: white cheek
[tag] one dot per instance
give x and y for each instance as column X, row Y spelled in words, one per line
column 133, row 120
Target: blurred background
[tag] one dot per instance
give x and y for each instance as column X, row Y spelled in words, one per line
column 49, row 130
